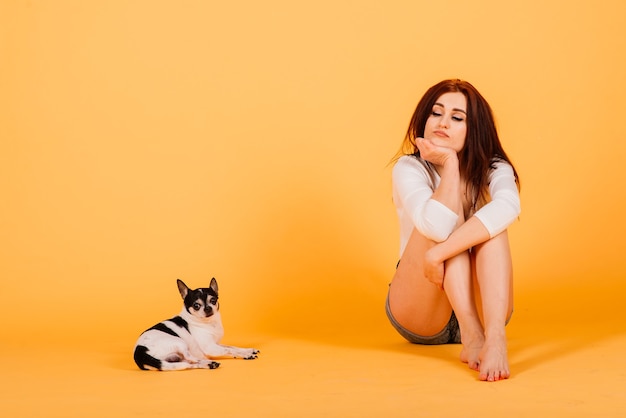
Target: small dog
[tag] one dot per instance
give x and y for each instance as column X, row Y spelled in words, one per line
column 191, row 339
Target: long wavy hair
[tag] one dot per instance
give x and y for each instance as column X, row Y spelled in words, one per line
column 482, row 146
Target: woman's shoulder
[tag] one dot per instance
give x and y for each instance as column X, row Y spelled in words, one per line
column 501, row 166
column 499, row 162
column 410, row 161
column 410, row 166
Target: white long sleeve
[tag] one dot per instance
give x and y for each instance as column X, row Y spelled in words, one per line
column 412, row 195
column 504, row 207
column 412, row 192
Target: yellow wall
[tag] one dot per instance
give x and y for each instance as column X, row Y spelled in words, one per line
column 142, row 141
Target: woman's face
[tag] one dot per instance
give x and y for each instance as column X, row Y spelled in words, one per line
column 446, row 126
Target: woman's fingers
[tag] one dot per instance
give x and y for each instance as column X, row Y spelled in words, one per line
column 433, row 153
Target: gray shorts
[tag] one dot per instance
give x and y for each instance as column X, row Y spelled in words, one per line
column 450, row 334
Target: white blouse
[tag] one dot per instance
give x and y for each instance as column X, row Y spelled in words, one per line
column 413, row 189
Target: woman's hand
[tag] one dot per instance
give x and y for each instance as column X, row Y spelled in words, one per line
column 433, row 268
column 434, row 153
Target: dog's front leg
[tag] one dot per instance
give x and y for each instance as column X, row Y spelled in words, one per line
column 217, row 350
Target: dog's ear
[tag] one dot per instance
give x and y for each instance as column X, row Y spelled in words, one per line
column 182, row 288
column 214, row 284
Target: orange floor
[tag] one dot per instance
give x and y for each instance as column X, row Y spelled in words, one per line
column 566, row 360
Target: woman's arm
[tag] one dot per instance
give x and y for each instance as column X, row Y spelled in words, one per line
column 448, row 192
column 412, row 195
column 505, row 206
column 469, row 234
column 446, row 161
column 489, row 221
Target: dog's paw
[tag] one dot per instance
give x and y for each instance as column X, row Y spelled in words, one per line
column 208, row 364
column 252, row 354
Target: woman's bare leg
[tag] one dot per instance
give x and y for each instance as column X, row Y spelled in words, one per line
column 494, row 274
column 458, row 284
column 419, row 306
column 416, row 303
column 481, row 278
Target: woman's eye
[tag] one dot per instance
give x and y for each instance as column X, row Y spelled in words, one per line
column 435, row 113
column 458, row 118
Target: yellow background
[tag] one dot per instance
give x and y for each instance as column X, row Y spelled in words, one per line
column 144, row 141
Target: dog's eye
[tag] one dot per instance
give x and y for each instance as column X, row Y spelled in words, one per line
column 197, row 306
column 213, row 301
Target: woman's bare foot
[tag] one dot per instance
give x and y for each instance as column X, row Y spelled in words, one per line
column 493, row 359
column 472, row 348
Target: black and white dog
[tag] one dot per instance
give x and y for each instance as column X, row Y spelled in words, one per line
column 191, row 339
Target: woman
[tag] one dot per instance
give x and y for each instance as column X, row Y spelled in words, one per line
column 455, row 192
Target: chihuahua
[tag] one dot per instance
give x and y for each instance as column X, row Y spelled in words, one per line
column 191, row 339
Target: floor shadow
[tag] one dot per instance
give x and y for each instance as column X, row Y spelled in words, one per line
column 542, row 329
